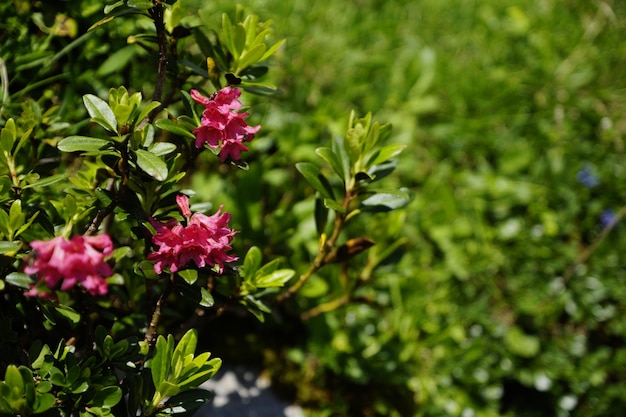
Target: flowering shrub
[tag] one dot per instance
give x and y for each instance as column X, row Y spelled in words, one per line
column 102, row 323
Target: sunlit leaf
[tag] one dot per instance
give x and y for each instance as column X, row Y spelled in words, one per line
column 100, row 112
column 151, row 164
column 81, row 143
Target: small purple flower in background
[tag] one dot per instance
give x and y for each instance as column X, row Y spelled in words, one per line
column 62, row 264
column 222, row 124
column 588, row 177
column 606, row 218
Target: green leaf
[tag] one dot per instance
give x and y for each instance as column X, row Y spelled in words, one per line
column 321, row 216
column 81, row 143
column 250, row 57
column 333, row 159
column 8, row 247
column 315, row 177
column 69, row 313
column 385, row 153
column 19, row 279
column 160, row 362
column 207, row 299
column 151, row 164
column 189, row 275
column 187, row 344
column 251, row 262
column 100, row 112
column 173, row 127
column 387, row 201
column 167, row 389
column 43, row 402
column 29, row 384
column 13, row 378
column 109, row 8
column 140, row 4
column 146, row 111
column 276, row 279
column 46, row 181
column 228, row 34
column 16, row 217
column 117, row 61
column 26, row 225
column 272, row 49
column 334, row 205
column 8, row 136
column 106, row 397
column 162, row 148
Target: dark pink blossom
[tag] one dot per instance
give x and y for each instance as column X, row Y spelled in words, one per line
column 204, row 240
column 222, row 125
column 62, row 264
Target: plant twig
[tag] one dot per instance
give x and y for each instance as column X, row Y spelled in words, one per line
column 156, row 314
column 157, row 15
column 325, row 247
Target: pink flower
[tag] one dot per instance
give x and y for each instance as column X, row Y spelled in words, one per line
column 222, row 124
column 62, row 264
column 205, row 240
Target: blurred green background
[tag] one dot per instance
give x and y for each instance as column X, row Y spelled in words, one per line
column 500, row 302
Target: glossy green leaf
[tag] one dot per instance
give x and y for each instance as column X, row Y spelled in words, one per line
column 81, row 143
column 389, row 201
column 251, row 262
column 100, row 112
column 8, row 247
column 315, row 178
column 19, row 279
column 69, row 313
column 206, row 299
column 275, row 279
column 151, row 164
column 162, row 148
column 160, row 362
column 189, row 275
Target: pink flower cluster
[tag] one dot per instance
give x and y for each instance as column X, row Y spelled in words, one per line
column 62, row 264
column 205, row 240
column 222, row 124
